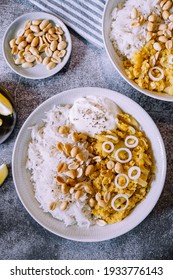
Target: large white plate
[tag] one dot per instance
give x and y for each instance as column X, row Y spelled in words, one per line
column 39, row 71
column 95, row 233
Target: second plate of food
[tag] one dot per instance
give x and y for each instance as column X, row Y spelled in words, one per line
column 92, row 166
column 37, row 45
column 137, row 37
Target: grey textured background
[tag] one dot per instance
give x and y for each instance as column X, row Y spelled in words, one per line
column 20, row 236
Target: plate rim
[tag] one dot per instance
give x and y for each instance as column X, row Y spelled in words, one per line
column 50, row 74
column 164, row 164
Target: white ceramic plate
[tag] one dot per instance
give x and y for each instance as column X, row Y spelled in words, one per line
column 39, row 71
column 115, row 59
column 95, row 233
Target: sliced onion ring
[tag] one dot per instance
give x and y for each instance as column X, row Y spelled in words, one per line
column 170, row 59
column 112, row 137
column 125, row 160
column 132, row 130
column 110, row 144
column 131, row 145
column 130, row 171
column 116, row 181
column 115, row 198
column 154, row 78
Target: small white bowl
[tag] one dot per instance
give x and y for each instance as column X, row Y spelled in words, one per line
column 22, row 177
column 39, row 71
column 115, row 59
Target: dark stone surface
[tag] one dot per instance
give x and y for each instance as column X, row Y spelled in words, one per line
column 20, row 236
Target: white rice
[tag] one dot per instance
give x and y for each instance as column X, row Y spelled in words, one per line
column 127, row 39
column 43, row 159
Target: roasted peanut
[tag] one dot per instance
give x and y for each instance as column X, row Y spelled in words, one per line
column 167, row 5
column 51, row 65
column 52, row 206
column 74, row 151
column 63, row 129
column 63, row 205
column 59, row 180
column 64, row 188
column 80, row 157
column 74, row 136
column 73, row 165
column 61, row 167
column 92, row 202
column 89, row 170
column 72, row 173
column 78, row 194
column 67, row 149
column 134, row 13
column 60, row 146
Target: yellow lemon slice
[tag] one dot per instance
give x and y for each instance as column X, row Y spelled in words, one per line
column 5, row 106
column 3, row 173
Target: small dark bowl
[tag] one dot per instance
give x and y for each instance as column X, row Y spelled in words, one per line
column 8, row 121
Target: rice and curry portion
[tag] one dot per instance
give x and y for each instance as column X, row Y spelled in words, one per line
column 93, row 172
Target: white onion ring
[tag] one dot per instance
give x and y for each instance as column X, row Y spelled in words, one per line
column 130, row 171
column 112, row 137
column 115, row 198
column 116, row 181
column 131, row 145
column 125, row 160
column 170, row 59
column 132, row 130
column 108, row 143
column 154, row 78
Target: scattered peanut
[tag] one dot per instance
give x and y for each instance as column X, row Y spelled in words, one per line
column 167, row 5
column 73, row 165
column 78, row 194
column 60, row 146
column 61, row 167
column 59, row 180
column 134, row 13
column 71, row 173
column 63, row 129
column 74, row 136
column 63, row 205
column 88, row 189
column 74, row 151
column 64, row 188
column 80, row 157
column 52, row 206
column 89, row 170
column 165, row 15
column 67, row 149
column 157, row 46
column 92, row 202
column 150, row 26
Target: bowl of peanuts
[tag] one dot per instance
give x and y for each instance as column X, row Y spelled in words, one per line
column 138, row 41
column 37, row 45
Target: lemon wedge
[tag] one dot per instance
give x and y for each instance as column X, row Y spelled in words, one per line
column 5, row 106
column 1, row 122
column 3, row 173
